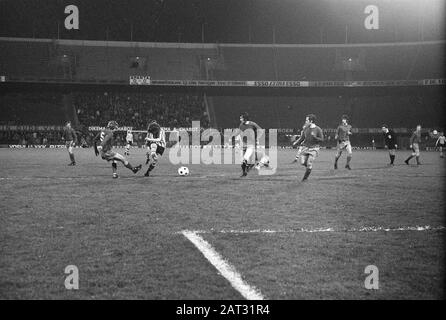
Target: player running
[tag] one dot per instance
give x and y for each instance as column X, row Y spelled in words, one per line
column 129, row 141
column 415, row 141
column 390, row 142
column 249, row 148
column 70, row 140
column 156, row 144
column 343, row 138
column 441, row 141
column 299, row 148
column 105, row 148
column 311, row 138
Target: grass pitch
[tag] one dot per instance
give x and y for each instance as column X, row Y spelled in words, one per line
column 124, row 234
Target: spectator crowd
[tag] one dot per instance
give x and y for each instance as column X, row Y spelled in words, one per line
column 136, row 109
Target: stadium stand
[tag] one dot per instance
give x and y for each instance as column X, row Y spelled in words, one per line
column 115, row 61
column 137, row 109
column 101, row 62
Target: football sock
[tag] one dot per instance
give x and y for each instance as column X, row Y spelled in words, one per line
column 72, row 158
column 128, row 165
column 114, row 167
column 244, row 163
column 418, row 159
column 408, row 159
column 307, row 173
column 392, row 159
column 349, row 158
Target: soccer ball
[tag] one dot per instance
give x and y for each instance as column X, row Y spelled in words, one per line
column 183, row 171
column 435, row 132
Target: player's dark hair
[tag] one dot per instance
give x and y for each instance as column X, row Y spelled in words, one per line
column 344, row 116
column 311, row 117
column 384, row 126
column 112, row 124
column 153, row 127
column 245, row 116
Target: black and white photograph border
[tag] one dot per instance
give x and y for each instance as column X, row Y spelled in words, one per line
column 222, row 151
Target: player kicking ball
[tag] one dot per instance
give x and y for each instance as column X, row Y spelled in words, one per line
column 129, row 141
column 70, row 140
column 311, row 138
column 343, row 138
column 105, row 149
column 156, row 144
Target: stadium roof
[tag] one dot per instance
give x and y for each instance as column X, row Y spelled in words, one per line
column 229, row 21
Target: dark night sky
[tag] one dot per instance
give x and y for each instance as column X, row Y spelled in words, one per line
column 226, row 21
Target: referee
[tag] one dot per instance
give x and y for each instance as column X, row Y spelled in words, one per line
column 390, row 142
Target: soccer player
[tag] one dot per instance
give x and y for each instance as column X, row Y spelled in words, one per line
column 105, row 148
column 343, row 139
column 249, row 149
column 299, row 148
column 129, row 140
column 441, row 141
column 70, row 140
column 311, row 138
column 156, row 144
column 390, row 142
column 415, row 141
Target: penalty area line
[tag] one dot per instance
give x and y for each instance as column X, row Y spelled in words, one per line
column 226, row 270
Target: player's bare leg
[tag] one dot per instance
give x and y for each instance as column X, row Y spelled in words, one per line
column 337, row 156
column 392, row 154
column 71, row 154
column 349, row 158
column 152, row 158
column 245, row 163
column 441, row 152
column 115, row 169
column 307, row 162
column 126, row 164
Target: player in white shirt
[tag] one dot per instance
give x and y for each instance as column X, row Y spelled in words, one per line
column 156, row 144
column 129, row 140
column 441, row 141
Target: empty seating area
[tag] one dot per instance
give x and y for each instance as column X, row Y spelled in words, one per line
column 112, row 61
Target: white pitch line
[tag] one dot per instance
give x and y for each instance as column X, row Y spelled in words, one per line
column 324, row 230
column 225, row 269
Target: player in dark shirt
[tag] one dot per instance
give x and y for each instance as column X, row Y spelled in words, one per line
column 390, row 142
column 415, row 141
column 105, row 148
column 311, row 138
column 342, row 136
column 246, row 129
column 70, row 138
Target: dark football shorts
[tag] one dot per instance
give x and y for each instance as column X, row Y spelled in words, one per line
column 160, row 150
column 391, row 146
column 109, row 155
